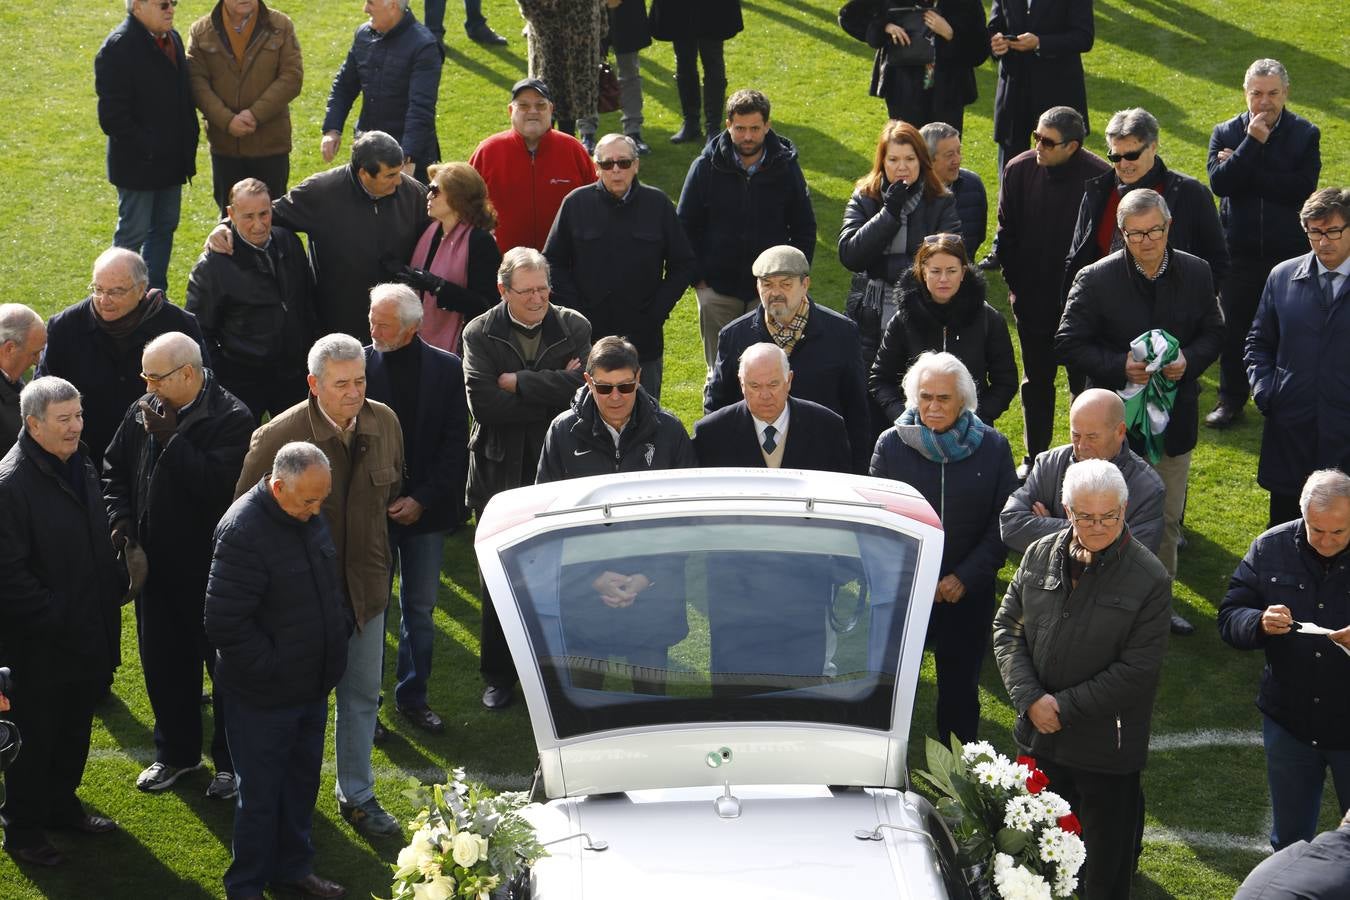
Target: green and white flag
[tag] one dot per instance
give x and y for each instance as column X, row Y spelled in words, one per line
column 1148, row 406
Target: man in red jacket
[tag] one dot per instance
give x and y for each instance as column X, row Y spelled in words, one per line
column 530, row 168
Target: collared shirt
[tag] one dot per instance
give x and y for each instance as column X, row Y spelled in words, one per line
column 750, row 168
column 615, row 433
column 1167, row 256
column 344, row 434
column 1338, row 283
column 787, row 336
column 780, row 426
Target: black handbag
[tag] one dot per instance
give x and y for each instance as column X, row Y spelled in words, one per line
column 919, row 51
column 609, row 89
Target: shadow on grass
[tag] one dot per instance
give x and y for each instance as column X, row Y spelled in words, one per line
column 472, row 66
column 137, row 872
column 1204, row 566
column 128, row 731
column 833, row 36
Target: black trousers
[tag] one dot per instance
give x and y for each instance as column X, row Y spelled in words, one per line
column 174, row 650
column 227, row 171
column 1240, row 295
column 912, row 104
column 260, row 388
column 688, row 52
column 494, row 656
column 1111, row 810
column 1283, row 508
column 958, row 634
column 54, row 721
column 1039, row 368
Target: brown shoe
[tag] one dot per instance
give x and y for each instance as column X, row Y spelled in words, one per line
column 313, row 886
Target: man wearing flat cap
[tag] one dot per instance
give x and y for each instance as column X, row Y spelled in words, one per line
column 821, row 344
column 530, row 167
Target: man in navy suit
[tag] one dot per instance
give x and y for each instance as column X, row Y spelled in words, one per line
column 425, row 388
column 770, row 429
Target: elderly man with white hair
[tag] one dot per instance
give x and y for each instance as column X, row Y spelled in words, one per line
column 424, row 386
column 1080, row 641
column 168, row 477
column 964, row 468
column 23, row 334
column 1288, row 597
column 364, row 445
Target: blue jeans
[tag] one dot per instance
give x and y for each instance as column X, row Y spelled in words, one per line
column 277, row 757
column 146, row 221
column 418, row 560
column 358, row 701
column 1296, row 771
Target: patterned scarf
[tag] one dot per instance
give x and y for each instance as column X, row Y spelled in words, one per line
column 787, row 336
column 952, row 445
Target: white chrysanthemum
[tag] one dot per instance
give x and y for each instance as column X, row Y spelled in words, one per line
column 988, row 773
column 1022, row 813
column 1012, row 776
column 972, row 753
column 1073, row 852
column 1017, row 883
column 1055, row 805
column 1051, row 845
column 1065, row 884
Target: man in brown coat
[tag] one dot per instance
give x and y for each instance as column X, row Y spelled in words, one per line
column 244, row 63
column 364, row 446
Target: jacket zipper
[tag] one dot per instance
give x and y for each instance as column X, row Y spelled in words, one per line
column 1117, row 731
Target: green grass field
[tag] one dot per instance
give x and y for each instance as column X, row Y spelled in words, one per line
column 1207, row 800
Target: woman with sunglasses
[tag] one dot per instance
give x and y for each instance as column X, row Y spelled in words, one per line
column 964, row 469
column 892, row 209
column 454, row 264
column 941, row 307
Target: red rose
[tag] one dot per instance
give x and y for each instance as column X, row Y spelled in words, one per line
column 1028, row 761
column 1036, row 781
column 1070, row 824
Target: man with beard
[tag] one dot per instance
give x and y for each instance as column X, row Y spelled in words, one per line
column 744, row 194
column 821, row 344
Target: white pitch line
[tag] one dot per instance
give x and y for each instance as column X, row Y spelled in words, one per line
column 1206, row 840
column 1204, row 737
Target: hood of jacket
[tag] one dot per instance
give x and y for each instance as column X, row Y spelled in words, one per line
column 913, row 299
column 778, row 151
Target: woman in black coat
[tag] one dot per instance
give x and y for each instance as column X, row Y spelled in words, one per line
column 964, row 468
column 698, row 29
column 893, row 208
column 940, row 88
column 941, row 306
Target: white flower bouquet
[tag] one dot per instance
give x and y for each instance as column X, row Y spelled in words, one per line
column 467, row 842
column 1011, row 833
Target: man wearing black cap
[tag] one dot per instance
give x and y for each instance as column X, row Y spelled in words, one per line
column 821, row 344
column 530, row 168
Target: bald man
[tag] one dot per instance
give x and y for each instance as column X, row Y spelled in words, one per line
column 1096, row 431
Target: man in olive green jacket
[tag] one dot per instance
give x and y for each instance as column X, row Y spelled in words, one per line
column 364, row 446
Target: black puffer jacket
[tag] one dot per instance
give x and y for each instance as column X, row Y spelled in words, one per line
column 1098, row 648
column 868, row 229
column 974, row 333
column 275, row 609
column 59, row 610
column 1302, row 687
column 256, row 307
column 579, row 444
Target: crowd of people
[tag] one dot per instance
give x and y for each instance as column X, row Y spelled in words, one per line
column 251, row 470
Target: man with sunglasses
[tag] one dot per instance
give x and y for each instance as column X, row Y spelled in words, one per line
column 1132, row 144
column 1037, row 207
column 1297, row 357
column 1262, row 163
column 145, row 107
column 620, row 257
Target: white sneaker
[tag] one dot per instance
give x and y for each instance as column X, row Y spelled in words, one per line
column 161, row 776
column 223, row 787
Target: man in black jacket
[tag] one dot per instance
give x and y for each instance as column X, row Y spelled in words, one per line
column 1116, row 300
column 256, row 306
column 754, row 432
column 59, row 617
column 744, row 193
column 425, row 388
column 614, row 425
column 821, row 344
column 275, row 610
column 145, row 108
column 96, row 344
column 1132, row 145
column 1290, row 597
column 168, row 477
column 1262, row 164
column 619, row 256
column 23, row 334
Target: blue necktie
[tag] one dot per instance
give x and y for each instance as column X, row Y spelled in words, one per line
column 769, row 443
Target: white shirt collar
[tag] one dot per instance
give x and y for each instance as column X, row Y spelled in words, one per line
column 780, row 425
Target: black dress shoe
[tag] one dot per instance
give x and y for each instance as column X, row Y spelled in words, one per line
column 313, row 886
column 1223, row 415
column 1181, row 626
column 690, row 132
column 483, row 34
column 990, row 263
column 381, row 733
column 41, row 855
column 89, row 824
column 423, row 718
column 498, row 697
column 643, row 148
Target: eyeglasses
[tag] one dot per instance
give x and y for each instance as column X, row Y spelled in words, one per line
column 110, row 293
column 604, row 390
column 164, row 5
column 1331, row 234
column 433, row 190
column 1131, row 156
column 531, row 292
column 1153, row 234
column 943, row 237
column 1048, row 144
column 1105, row 521
column 607, row 164
column 156, row 379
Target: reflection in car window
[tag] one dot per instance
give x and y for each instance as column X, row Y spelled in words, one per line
column 715, row 618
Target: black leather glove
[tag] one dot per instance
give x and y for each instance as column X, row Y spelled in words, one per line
column 421, row 279
column 894, row 198
column 121, row 531
column 160, row 424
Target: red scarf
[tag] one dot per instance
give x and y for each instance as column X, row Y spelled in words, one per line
column 440, row 327
column 165, row 44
